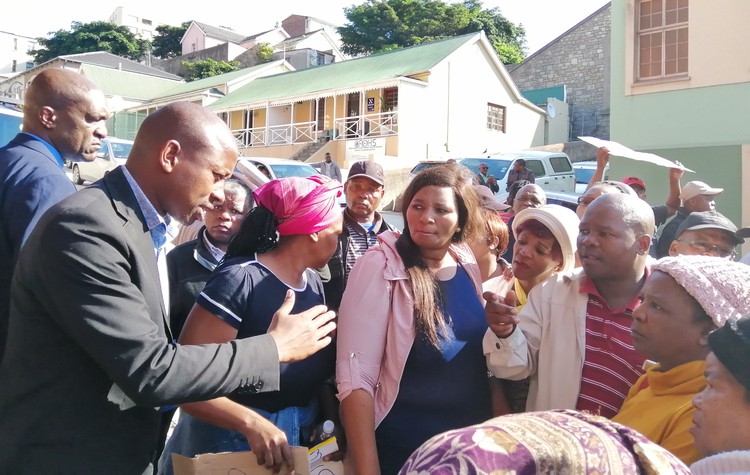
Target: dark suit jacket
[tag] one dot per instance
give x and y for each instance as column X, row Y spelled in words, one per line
column 87, row 312
column 31, row 181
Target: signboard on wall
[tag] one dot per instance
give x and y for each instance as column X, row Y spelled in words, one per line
column 365, row 149
column 370, row 104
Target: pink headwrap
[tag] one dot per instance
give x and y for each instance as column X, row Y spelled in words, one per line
column 301, row 205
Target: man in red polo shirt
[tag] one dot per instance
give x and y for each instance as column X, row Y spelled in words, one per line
column 573, row 335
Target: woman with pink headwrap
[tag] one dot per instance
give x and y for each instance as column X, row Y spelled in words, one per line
column 293, row 229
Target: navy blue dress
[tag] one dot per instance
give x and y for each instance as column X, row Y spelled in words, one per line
column 441, row 389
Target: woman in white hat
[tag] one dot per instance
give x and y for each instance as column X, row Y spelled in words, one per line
column 545, row 245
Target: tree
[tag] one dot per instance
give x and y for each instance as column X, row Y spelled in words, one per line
column 382, row 25
column 166, row 42
column 208, row 67
column 265, row 51
column 87, row 37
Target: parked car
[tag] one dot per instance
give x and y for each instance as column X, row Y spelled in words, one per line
column 584, row 171
column 424, row 165
column 552, row 170
column 568, row 200
column 281, row 167
column 10, row 123
column 277, row 168
column 114, row 152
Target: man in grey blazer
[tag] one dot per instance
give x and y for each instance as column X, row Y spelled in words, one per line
column 89, row 357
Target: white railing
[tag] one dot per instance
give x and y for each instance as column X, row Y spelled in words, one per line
column 374, row 125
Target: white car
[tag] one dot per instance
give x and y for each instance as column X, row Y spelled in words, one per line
column 114, row 152
column 584, row 171
column 552, row 170
column 266, row 168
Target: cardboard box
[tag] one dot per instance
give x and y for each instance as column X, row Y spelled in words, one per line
column 245, row 463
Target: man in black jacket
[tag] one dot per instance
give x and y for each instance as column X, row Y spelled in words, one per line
column 363, row 189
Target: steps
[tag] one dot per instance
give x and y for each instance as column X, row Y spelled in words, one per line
column 307, row 152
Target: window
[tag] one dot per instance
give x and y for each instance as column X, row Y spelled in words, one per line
column 15, row 45
column 495, row 117
column 147, row 22
column 13, row 68
column 662, row 38
column 390, row 99
column 560, row 164
column 535, row 166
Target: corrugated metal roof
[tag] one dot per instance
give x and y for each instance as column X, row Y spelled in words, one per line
column 221, row 33
column 540, row 96
column 125, row 83
column 346, row 74
column 218, row 80
column 109, row 60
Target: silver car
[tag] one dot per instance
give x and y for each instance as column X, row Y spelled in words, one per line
column 114, row 152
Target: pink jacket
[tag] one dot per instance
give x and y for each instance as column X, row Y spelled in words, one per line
column 376, row 322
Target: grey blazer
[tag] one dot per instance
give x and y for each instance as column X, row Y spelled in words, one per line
column 87, row 313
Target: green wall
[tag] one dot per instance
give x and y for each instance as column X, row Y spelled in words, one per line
column 718, row 115
column 704, row 128
column 710, row 165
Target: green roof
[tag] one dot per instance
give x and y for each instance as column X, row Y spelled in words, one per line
column 540, row 96
column 126, row 84
column 368, row 69
column 214, row 81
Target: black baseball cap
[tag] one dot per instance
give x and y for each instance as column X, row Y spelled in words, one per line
column 712, row 220
column 368, row 169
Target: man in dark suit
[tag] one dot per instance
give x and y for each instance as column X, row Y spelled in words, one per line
column 64, row 116
column 90, row 357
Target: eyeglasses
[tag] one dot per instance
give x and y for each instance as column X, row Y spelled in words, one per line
column 709, row 248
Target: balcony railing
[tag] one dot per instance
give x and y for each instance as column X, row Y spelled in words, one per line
column 374, row 125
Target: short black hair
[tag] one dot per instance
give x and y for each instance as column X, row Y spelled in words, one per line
column 521, row 161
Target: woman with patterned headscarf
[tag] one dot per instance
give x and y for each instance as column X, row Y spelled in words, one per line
column 294, row 228
column 559, row 441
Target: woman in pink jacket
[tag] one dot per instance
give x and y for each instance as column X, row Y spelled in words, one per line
column 409, row 356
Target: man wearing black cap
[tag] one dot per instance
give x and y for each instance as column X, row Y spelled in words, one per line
column 364, row 188
column 707, row 233
column 721, row 425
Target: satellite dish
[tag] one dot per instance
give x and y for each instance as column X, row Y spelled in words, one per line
column 551, row 112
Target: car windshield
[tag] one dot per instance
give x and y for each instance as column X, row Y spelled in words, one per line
column 497, row 168
column 583, row 175
column 121, row 150
column 287, row 170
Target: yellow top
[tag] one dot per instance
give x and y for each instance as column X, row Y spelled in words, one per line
column 662, row 409
column 521, row 296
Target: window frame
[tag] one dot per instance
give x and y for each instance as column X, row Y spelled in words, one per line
column 491, row 120
column 662, row 30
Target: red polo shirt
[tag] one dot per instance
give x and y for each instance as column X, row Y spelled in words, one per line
column 611, row 365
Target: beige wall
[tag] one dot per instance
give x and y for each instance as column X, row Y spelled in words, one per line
column 718, row 38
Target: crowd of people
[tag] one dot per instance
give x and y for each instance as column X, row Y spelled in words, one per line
column 483, row 337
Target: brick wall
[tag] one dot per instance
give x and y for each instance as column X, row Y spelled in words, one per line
column 579, row 59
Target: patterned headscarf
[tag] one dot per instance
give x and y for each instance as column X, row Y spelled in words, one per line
column 560, row 441
column 301, row 205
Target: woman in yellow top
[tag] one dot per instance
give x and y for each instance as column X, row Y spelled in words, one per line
column 682, row 301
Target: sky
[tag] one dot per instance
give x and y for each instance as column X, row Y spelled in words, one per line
column 544, row 20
